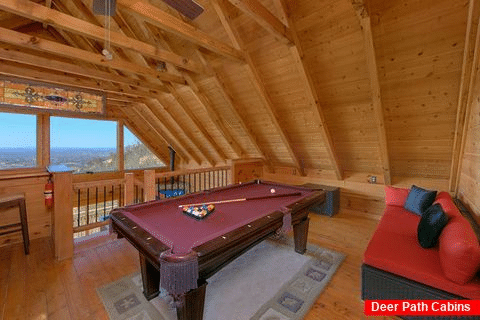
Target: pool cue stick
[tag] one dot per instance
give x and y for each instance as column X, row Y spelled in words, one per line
column 242, row 199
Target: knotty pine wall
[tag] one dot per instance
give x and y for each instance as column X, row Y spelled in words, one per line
column 469, row 185
column 38, row 216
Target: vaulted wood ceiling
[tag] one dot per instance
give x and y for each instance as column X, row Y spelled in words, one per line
column 327, row 87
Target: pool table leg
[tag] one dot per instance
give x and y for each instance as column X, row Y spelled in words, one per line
column 150, row 278
column 300, row 234
column 191, row 304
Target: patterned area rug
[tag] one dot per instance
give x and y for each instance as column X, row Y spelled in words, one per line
column 268, row 282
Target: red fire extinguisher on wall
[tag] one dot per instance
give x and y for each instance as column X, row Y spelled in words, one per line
column 48, row 193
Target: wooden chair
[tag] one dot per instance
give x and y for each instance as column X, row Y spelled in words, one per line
column 11, row 201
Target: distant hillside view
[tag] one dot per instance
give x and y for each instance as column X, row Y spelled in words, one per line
column 138, row 156
column 82, row 160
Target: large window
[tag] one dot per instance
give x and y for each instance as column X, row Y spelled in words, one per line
column 17, row 141
column 84, row 145
column 137, row 155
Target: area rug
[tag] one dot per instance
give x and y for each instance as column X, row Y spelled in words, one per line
column 268, row 282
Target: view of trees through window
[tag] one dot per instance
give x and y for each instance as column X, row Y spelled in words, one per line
column 17, row 141
column 137, row 155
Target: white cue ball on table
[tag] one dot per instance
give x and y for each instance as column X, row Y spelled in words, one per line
column 272, row 190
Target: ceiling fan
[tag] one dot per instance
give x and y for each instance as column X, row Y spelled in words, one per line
column 189, row 8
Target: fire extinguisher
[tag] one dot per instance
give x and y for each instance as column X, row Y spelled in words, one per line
column 48, row 193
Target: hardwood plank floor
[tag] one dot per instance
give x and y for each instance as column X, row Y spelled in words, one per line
column 38, row 287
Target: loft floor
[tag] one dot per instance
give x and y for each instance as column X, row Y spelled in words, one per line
column 37, row 287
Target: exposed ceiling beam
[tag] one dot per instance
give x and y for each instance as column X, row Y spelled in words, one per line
column 196, row 121
column 64, row 21
column 167, row 22
column 312, row 94
column 158, row 119
column 254, row 75
column 366, row 26
column 156, row 106
column 145, row 122
column 205, row 103
column 140, row 131
column 138, row 33
column 166, row 131
column 137, row 87
column 55, row 78
column 265, row 18
column 48, row 4
column 32, row 42
column 233, row 107
column 467, row 81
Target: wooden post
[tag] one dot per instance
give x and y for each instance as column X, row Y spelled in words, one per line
column 120, row 146
column 43, row 140
column 62, row 220
column 129, row 188
column 149, row 185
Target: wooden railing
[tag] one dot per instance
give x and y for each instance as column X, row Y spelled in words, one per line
column 92, row 203
column 93, row 200
column 177, row 183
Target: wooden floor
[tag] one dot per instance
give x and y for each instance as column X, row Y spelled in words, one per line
column 37, row 287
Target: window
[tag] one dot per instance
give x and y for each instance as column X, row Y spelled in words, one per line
column 17, row 141
column 137, row 155
column 84, row 145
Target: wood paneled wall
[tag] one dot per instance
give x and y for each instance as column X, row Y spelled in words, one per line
column 469, row 185
column 38, row 216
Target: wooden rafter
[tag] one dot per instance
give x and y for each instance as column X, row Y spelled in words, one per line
column 166, row 131
column 311, row 92
column 196, row 121
column 233, row 107
column 25, row 72
column 125, row 27
column 167, row 22
column 64, row 21
column 137, row 110
column 206, row 104
column 366, row 26
column 254, row 75
column 152, row 108
column 131, row 122
column 467, row 81
column 48, row 4
column 27, row 41
column 136, row 87
column 265, row 18
column 156, row 105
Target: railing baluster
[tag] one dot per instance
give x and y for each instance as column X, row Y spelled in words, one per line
column 88, row 203
column 120, row 204
column 96, row 204
column 104, row 200
column 78, row 208
column 113, row 195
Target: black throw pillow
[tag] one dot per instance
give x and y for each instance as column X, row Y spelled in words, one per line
column 419, row 200
column 431, row 225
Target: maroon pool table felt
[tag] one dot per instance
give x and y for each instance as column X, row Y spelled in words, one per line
column 158, row 227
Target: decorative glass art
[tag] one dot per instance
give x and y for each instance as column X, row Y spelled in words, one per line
column 43, row 96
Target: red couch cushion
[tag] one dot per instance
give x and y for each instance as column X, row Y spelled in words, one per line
column 459, row 251
column 394, row 248
column 449, row 207
column 396, row 196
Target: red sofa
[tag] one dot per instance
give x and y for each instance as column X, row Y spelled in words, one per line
column 395, row 266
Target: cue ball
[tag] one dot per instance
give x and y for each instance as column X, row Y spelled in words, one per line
column 272, row 190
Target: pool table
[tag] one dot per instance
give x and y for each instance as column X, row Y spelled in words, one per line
column 180, row 252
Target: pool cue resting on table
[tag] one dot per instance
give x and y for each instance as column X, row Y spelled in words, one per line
column 241, row 199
